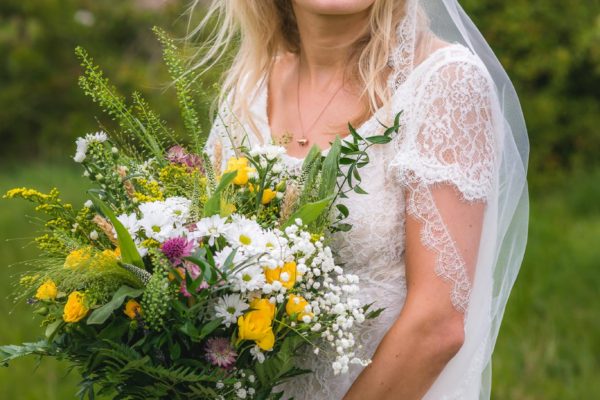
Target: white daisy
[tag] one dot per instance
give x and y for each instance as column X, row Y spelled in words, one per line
column 220, row 257
column 157, row 222
column 179, row 207
column 130, row 223
column 213, row 227
column 230, row 307
column 243, row 232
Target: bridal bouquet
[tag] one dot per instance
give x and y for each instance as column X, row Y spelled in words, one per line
column 186, row 277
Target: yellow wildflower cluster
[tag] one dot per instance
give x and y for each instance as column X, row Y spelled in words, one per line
column 27, row 194
column 257, row 324
column 149, row 191
column 174, row 174
column 76, row 308
column 85, row 257
column 78, row 258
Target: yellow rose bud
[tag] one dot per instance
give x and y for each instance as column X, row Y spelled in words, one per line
column 47, row 291
column 263, row 305
column 256, row 325
column 75, row 309
column 296, row 304
column 267, row 341
column 272, row 274
column 267, row 196
column 241, row 166
column 289, row 268
column 132, row 309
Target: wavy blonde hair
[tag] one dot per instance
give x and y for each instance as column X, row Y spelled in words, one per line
column 241, row 23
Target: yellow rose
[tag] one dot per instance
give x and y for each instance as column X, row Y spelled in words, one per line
column 263, row 305
column 272, row 275
column 75, row 309
column 78, row 258
column 47, row 291
column 268, row 195
column 296, row 304
column 256, row 325
column 241, row 166
column 132, row 309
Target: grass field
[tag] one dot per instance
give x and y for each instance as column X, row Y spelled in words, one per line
column 549, row 345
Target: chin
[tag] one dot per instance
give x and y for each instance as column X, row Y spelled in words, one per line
column 334, row 7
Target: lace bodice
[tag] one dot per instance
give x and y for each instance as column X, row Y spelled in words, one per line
column 445, row 140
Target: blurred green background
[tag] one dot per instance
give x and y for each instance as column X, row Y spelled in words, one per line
column 549, row 345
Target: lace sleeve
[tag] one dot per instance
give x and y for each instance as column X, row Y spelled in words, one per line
column 446, row 162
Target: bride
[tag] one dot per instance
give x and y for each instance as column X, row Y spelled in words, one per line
column 439, row 238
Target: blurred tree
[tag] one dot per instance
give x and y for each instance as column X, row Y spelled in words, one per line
column 42, row 109
column 551, row 50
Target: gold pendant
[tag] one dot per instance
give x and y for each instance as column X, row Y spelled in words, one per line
column 302, row 142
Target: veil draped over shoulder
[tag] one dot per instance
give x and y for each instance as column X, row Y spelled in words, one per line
column 492, row 168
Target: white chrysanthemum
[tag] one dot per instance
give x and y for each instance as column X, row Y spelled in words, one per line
column 249, row 278
column 230, row 307
column 81, row 150
column 211, row 227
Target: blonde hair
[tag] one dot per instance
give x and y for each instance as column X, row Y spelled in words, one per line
column 262, row 28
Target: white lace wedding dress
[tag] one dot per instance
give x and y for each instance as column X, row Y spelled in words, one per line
column 446, row 138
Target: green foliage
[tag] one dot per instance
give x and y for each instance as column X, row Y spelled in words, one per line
column 42, row 110
column 156, row 301
column 183, row 81
column 101, row 314
column 129, row 252
column 139, row 123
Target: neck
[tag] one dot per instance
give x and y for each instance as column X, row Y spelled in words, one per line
column 326, row 41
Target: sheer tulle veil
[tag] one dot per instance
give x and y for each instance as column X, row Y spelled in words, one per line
column 504, row 232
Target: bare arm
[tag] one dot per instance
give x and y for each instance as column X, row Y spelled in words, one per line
column 429, row 330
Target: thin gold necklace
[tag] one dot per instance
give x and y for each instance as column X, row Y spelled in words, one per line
column 303, row 141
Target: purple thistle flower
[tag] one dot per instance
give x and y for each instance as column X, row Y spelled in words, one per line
column 219, row 352
column 179, row 155
column 177, row 248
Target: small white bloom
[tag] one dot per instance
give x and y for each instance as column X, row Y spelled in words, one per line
column 257, row 354
column 88, row 204
column 94, row 235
